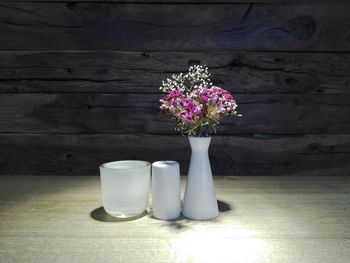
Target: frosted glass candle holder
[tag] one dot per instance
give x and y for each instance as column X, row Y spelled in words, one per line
column 125, row 187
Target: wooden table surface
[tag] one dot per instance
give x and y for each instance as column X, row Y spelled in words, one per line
column 262, row 219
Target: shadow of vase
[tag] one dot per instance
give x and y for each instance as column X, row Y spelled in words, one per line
column 223, row 206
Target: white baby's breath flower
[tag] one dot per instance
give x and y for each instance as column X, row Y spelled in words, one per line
column 196, row 78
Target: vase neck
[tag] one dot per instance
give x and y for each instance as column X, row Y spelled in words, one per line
column 199, row 144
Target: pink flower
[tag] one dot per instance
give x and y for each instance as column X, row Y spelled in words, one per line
column 189, row 119
column 202, row 105
column 186, row 117
column 172, row 108
column 174, row 94
column 198, row 111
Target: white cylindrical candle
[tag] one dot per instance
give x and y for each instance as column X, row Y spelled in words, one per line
column 166, row 200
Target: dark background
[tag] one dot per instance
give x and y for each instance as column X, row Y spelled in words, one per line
column 79, row 84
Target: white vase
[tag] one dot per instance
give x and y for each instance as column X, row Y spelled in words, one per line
column 200, row 200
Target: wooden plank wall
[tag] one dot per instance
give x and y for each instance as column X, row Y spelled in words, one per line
column 79, row 83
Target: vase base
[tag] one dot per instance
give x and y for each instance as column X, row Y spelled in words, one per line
column 201, row 217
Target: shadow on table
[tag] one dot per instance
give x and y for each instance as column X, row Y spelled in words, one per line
column 223, row 206
column 179, row 223
column 100, row 214
column 182, row 222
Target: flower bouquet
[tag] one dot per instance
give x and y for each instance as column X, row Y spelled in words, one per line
column 195, row 104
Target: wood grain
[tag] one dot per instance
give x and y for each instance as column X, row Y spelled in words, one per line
column 262, row 219
column 142, row 72
column 139, row 113
column 230, row 155
column 75, row 77
column 101, row 26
